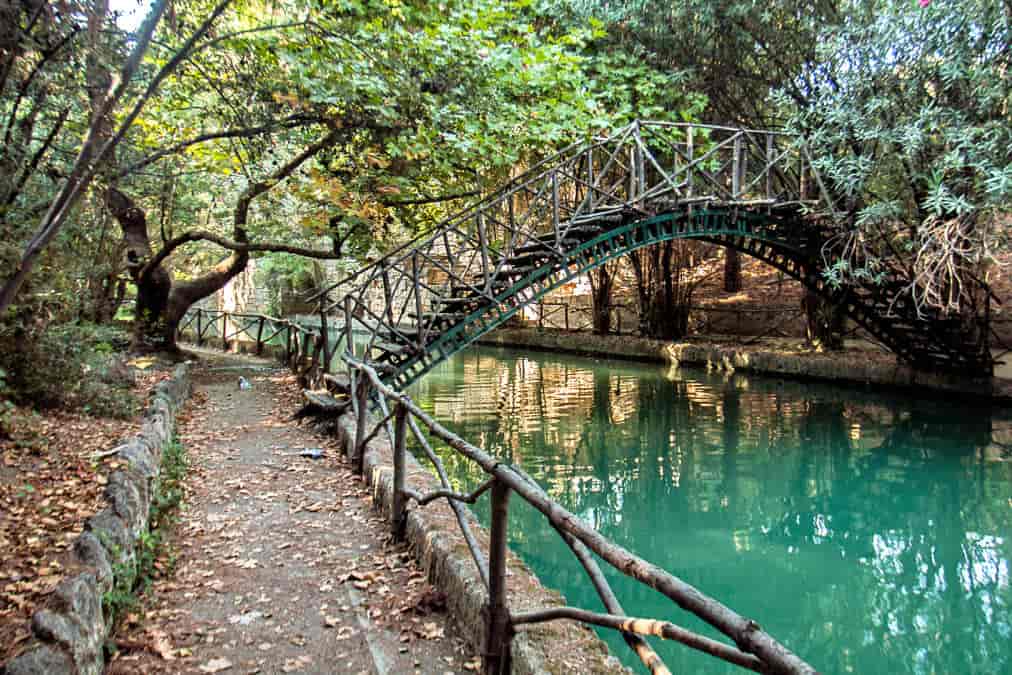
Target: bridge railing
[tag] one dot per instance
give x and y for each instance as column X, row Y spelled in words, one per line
column 308, row 353
column 641, row 170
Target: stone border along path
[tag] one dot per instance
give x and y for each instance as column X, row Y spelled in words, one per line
column 282, row 563
column 70, row 630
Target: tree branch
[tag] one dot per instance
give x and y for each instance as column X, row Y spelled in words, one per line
column 86, row 165
column 292, row 122
column 240, row 245
column 37, row 157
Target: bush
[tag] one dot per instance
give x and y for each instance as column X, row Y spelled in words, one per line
column 73, row 366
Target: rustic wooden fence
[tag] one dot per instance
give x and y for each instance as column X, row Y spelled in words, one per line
column 377, row 407
column 307, row 351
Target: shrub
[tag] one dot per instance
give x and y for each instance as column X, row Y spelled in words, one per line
column 72, row 366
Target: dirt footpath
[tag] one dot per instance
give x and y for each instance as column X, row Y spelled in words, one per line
column 281, row 565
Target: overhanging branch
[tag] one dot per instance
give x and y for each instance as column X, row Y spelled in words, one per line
column 246, row 132
column 247, row 247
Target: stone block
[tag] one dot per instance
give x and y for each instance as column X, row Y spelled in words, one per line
column 112, row 533
column 90, row 552
column 126, row 496
column 75, row 622
column 140, row 458
column 42, row 660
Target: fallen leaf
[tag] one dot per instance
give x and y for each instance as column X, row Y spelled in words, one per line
column 216, row 665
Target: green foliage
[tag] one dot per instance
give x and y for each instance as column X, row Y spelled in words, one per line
column 908, row 121
column 67, row 365
column 284, row 277
column 134, row 577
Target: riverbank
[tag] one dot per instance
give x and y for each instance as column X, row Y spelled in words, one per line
column 858, row 364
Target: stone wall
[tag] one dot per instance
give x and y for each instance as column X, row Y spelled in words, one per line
column 851, row 367
column 70, row 632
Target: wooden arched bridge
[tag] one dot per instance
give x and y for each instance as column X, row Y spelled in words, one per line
column 755, row 191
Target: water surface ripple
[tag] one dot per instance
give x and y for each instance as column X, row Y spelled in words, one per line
column 868, row 532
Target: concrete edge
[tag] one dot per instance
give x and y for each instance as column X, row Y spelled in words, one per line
column 434, row 535
column 69, row 633
column 808, row 366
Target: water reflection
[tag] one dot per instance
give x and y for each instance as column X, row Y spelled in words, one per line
column 868, row 532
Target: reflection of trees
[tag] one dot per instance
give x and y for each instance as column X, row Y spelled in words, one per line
column 865, row 531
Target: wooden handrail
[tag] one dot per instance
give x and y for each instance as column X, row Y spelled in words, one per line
column 753, row 648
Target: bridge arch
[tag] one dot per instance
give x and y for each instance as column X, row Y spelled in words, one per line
column 773, row 238
column 752, row 190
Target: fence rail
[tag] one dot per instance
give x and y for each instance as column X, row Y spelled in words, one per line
column 402, row 419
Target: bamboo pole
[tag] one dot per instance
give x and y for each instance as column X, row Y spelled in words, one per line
column 458, row 510
column 662, row 629
column 362, row 395
column 324, row 335
column 260, row 335
column 640, row 646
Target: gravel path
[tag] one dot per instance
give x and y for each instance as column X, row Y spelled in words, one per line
column 281, row 564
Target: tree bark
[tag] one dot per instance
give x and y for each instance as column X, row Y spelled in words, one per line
column 732, row 270
column 663, row 292
column 602, row 281
column 162, row 302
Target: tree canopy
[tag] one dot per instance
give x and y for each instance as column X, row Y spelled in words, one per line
column 341, row 128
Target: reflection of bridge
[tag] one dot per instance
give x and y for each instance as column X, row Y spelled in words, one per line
column 755, row 191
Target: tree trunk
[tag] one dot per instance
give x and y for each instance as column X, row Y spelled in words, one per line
column 663, row 292
column 162, row 302
column 825, row 323
column 602, row 281
column 732, row 270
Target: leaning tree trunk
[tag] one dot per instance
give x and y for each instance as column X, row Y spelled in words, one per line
column 162, row 302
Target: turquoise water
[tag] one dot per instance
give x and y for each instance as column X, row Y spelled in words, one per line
column 868, row 532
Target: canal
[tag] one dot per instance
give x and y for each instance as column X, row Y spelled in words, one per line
column 867, row 531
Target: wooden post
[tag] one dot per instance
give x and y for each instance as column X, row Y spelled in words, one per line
column 349, row 345
column 260, row 336
column 307, row 345
column 736, row 167
column 769, row 166
column 565, row 314
column 500, row 631
column 802, row 180
column 483, row 243
column 312, row 372
column 688, row 170
column 288, row 343
column 363, row 419
column 555, row 208
column 200, row 327
column 324, row 335
column 388, row 296
column 398, row 521
column 224, row 331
